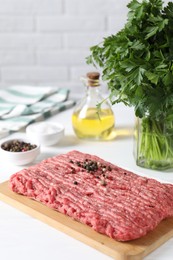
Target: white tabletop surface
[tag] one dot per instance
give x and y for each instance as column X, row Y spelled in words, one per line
column 24, row 238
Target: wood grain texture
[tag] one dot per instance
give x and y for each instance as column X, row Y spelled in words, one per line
column 133, row 250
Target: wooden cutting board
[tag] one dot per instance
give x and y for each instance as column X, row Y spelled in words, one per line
column 134, row 250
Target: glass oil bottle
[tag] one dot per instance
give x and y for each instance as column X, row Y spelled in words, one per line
column 89, row 121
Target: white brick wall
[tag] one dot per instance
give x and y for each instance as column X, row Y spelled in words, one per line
column 46, row 41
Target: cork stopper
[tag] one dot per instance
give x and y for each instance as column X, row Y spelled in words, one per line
column 93, row 79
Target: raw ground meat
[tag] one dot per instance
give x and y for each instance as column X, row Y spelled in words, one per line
column 111, row 200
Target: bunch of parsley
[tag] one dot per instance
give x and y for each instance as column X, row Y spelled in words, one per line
column 137, row 64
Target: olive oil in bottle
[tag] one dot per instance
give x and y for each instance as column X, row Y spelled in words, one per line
column 88, row 121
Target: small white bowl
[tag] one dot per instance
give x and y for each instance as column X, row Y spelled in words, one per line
column 46, row 133
column 20, row 158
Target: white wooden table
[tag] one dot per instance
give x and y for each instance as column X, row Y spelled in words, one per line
column 24, row 238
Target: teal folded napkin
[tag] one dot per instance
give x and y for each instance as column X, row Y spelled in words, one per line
column 23, row 105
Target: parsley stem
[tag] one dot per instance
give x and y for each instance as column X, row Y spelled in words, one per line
column 155, row 145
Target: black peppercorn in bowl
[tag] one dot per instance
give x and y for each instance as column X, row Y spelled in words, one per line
column 19, row 151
